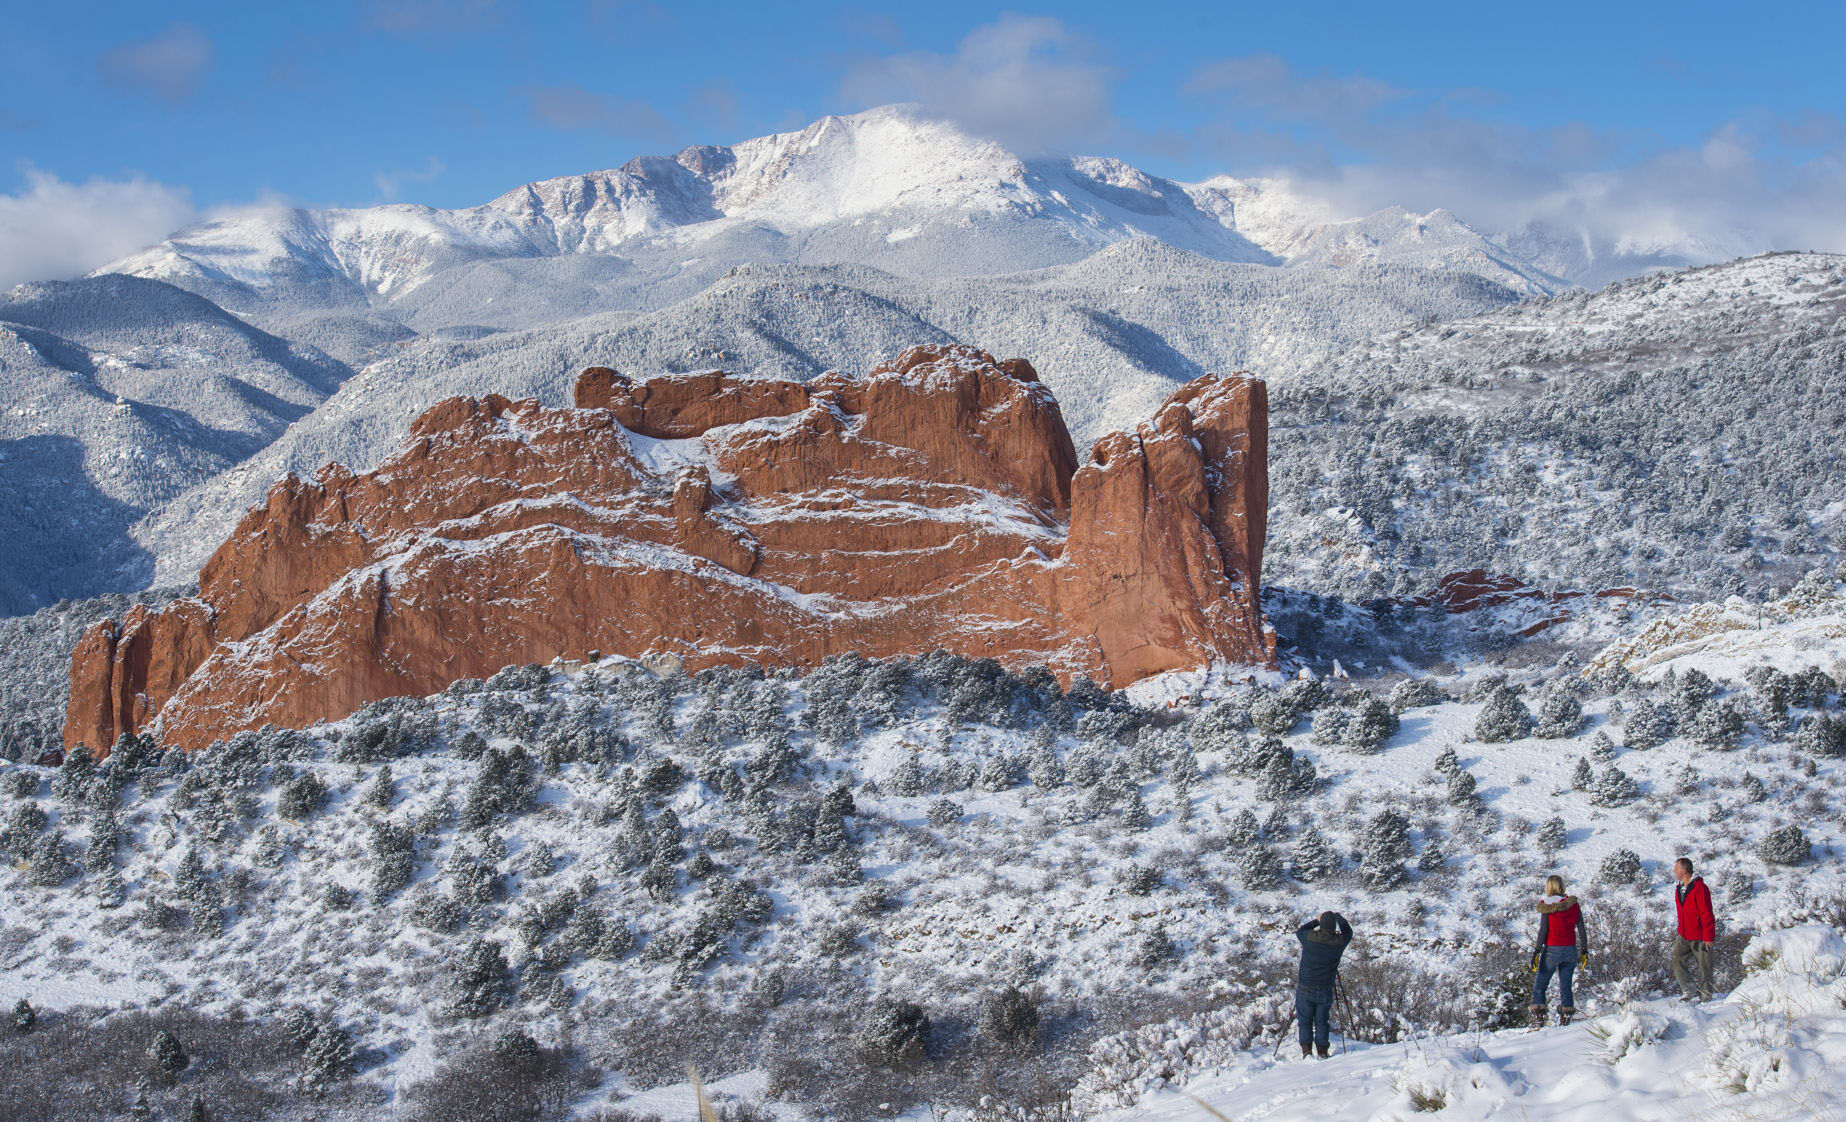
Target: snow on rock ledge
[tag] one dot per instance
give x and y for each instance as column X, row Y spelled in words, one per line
column 935, row 502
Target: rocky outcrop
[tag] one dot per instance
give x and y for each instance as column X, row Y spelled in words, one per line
column 1519, row 608
column 935, row 502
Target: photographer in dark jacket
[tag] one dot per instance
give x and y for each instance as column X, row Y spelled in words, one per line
column 1323, row 941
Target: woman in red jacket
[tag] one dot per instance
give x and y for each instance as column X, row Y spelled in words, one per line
column 1563, row 945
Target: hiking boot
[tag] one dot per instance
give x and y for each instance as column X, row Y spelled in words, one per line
column 1307, row 1050
column 1536, row 1014
column 1565, row 1013
column 1320, row 1050
column 1690, row 999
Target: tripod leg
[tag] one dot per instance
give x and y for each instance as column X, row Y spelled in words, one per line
column 1276, row 1054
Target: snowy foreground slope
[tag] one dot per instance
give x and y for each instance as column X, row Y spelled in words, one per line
column 1774, row 1048
column 921, row 888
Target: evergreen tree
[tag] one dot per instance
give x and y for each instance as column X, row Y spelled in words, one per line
column 1602, row 749
column 1718, row 725
column 1583, row 777
column 1371, row 726
column 329, row 1055
column 74, row 775
column 1329, row 726
column 164, row 1059
column 301, row 796
column 1415, row 693
column 1313, row 859
column 1446, row 761
column 1612, row 787
column 1434, row 855
column 1261, row 870
column 1646, row 725
column 895, row 1033
column 49, row 863
column 909, row 780
column 1273, row 715
column 1504, row 718
column 382, row 791
column 945, row 812
column 1242, row 831
column 1821, row 736
column 1461, row 789
column 25, row 1018
column 1134, row 812
column 1786, row 846
column 1010, row 1017
column 198, row 1112
column 1155, row 948
column 478, row 978
column 1560, row 714
column 1621, row 867
column 1552, row 837
column 1275, row 824
column 1383, row 846
column 1690, row 693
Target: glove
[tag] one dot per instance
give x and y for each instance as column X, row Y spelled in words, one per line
column 1535, row 963
column 1583, row 960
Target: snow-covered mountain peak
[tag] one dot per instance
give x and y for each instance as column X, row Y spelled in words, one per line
column 889, row 187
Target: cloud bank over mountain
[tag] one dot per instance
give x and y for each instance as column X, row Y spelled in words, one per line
column 54, row 229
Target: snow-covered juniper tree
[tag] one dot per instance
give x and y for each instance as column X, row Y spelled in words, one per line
column 1646, row 725
column 1313, row 857
column 1623, row 866
column 1383, row 846
column 1613, row 787
column 1583, row 776
column 1786, row 846
column 1560, row 714
column 1371, row 724
column 1553, row 836
column 1504, row 718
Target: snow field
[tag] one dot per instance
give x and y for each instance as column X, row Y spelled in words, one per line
column 1771, row 1049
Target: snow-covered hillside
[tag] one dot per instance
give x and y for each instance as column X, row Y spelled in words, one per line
column 886, row 187
column 894, row 889
column 116, row 394
column 1669, row 431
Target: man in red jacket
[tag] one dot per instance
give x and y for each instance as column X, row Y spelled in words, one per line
column 1697, row 928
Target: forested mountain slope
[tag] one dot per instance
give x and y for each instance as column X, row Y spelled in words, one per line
column 1676, row 431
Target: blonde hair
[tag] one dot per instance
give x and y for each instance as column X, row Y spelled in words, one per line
column 1554, row 885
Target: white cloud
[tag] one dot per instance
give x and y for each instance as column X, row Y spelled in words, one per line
column 1025, row 81
column 1360, row 145
column 391, row 183
column 169, row 64
column 54, row 230
column 571, row 108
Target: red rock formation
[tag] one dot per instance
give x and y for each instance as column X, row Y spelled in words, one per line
column 1532, row 609
column 935, row 502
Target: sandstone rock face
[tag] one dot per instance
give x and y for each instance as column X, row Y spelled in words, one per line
column 715, row 518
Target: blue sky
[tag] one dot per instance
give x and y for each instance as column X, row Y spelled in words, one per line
column 1718, row 113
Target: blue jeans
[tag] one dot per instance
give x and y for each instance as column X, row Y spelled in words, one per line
column 1312, row 1008
column 1561, row 961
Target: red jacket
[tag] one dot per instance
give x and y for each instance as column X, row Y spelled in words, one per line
column 1561, row 926
column 1693, row 902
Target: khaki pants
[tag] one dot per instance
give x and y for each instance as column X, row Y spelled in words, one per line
column 1686, row 952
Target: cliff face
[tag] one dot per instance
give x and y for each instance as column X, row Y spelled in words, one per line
column 935, row 502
